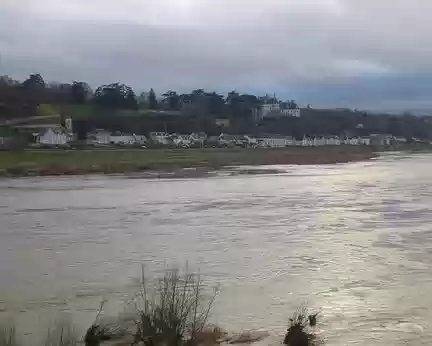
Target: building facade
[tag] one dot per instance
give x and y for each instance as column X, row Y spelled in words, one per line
column 274, row 109
column 53, row 136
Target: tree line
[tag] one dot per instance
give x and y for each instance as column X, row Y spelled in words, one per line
column 198, row 109
column 34, row 91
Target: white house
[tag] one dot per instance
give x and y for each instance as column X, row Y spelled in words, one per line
column 140, row 139
column 181, row 140
column 53, row 136
column 100, row 137
column 162, row 138
column 122, row 139
column 251, row 141
column 127, row 139
column 103, row 137
column 351, row 141
column 274, row 141
column 226, row 139
column 379, row 139
column 333, row 141
column 364, row 141
column 198, row 138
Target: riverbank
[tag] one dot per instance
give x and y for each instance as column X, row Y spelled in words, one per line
column 76, row 162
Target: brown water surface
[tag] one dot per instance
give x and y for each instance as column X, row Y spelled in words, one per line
column 352, row 239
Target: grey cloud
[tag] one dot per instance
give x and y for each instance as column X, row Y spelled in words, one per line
column 306, row 45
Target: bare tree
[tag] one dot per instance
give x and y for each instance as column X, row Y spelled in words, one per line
column 174, row 311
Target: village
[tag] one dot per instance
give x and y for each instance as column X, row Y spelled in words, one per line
column 57, row 136
column 35, row 114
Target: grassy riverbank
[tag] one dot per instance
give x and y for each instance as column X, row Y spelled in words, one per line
column 74, row 162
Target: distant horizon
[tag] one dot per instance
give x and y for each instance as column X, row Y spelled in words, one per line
column 418, row 111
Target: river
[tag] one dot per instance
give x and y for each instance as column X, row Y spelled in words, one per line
column 354, row 240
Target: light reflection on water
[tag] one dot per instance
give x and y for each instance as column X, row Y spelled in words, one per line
column 354, row 240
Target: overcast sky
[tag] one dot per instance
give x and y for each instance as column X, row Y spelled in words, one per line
column 358, row 53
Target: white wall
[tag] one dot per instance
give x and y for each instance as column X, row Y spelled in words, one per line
column 160, row 138
column 140, row 139
column 51, row 137
column 274, row 142
column 103, row 137
column 122, row 139
column 182, row 140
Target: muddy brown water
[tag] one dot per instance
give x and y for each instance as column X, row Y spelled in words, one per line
column 354, row 240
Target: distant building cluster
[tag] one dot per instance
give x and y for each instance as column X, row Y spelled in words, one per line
column 58, row 136
column 275, row 109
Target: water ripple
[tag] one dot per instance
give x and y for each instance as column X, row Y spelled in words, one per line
column 351, row 239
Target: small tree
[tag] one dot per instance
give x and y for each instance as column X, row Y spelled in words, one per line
column 34, row 89
column 152, row 99
column 34, row 82
column 80, row 91
column 172, row 99
column 115, row 95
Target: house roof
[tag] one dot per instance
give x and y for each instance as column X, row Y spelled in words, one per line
column 56, row 130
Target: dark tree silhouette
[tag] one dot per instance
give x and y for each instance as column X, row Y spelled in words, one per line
column 116, row 95
column 172, row 100
column 34, row 82
column 80, row 92
column 152, row 99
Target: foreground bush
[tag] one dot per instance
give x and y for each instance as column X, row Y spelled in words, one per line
column 298, row 333
column 175, row 311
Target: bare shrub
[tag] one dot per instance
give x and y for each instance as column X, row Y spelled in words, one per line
column 63, row 334
column 8, row 335
column 298, row 333
column 175, row 311
column 101, row 331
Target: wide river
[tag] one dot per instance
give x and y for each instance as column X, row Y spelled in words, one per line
column 354, row 240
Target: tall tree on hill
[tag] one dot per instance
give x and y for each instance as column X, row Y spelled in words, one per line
column 58, row 93
column 80, row 92
column 232, row 98
column 172, row 99
column 214, row 103
column 34, row 89
column 241, row 105
column 198, row 92
column 130, row 100
column 152, row 99
column 115, row 95
column 34, row 82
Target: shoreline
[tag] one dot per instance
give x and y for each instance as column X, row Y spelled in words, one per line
column 159, row 163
